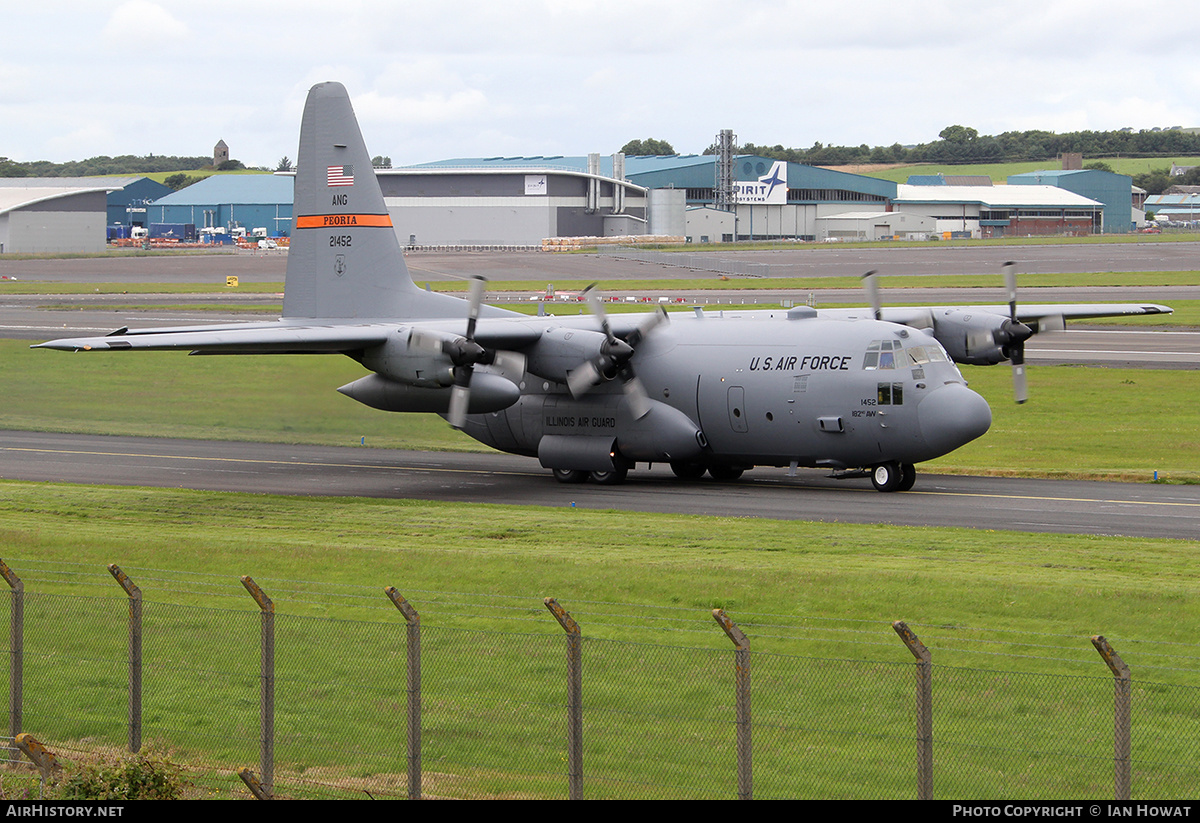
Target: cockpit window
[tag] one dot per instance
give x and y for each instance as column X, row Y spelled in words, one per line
column 920, row 355
column 890, row 354
column 881, row 354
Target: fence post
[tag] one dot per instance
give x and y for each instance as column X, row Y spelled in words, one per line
column 16, row 659
column 414, row 690
column 135, row 655
column 924, row 709
column 43, row 759
column 574, row 698
column 741, row 657
column 1123, row 694
column 266, row 693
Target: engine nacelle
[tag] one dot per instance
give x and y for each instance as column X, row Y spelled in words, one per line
column 401, row 361
column 561, row 350
column 972, row 336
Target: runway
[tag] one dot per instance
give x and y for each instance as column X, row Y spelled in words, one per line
column 1021, row 505
column 813, row 260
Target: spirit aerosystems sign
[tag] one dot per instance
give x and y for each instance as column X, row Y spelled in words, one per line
column 770, row 189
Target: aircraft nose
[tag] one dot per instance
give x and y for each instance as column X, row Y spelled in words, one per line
column 953, row 416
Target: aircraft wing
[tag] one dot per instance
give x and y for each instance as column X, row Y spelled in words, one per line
column 1026, row 313
column 279, row 338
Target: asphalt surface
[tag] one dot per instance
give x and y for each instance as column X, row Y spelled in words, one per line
column 541, row 268
column 1047, row 506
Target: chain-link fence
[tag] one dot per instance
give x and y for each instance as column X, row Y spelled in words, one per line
column 323, row 707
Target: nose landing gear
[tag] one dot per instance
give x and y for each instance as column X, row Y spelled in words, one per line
column 893, row 476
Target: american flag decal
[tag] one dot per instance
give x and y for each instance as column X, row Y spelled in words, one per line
column 339, row 176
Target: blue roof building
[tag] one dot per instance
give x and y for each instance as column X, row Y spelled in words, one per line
column 230, row 201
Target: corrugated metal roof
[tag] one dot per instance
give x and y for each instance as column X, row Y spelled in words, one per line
column 233, row 188
column 1172, row 200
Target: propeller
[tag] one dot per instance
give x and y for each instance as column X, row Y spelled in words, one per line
column 613, row 361
column 465, row 354
column 1012, row 334
column 870, row 282
column 1007, row 339
column 871, row 286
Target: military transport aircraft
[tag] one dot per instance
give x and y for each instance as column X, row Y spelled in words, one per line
column 855, row 391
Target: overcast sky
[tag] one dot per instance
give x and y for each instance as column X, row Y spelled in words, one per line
column 472, row 78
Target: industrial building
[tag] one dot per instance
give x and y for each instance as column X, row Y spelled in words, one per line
column 230, row 201
column 1181, row 208
column 1003, row 211
column 1115, row 191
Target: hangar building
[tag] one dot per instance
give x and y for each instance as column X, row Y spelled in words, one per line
column 512, row 200
column 53, row 214
column 775, row 199
column 525, row 199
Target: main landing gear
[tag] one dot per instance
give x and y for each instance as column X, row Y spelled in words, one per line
column 606, row 478
column 893, row 476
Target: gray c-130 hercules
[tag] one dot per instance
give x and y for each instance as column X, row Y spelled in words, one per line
column 592, row 396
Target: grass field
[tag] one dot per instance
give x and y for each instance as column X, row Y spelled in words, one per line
column 1021, row 696
column 999, row 172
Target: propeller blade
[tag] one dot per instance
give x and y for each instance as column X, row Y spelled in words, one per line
column 509, row 361
column 581, row 380
column 424, row 341
column 652, row 322
column 596, row 304
column 871, row 285
column 1054, row 322
column 474, row 301
column 639, row 401
column 460, row 397
column 1010, row 285
column 1020, row 386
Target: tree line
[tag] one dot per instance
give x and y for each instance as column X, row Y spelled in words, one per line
column 962, row 144
column 124, row 164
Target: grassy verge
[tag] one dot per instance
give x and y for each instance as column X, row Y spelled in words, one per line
column 1020, row 700
column 189, row 547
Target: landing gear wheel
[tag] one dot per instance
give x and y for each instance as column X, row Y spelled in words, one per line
column 887, row 477
column 612, row 478
column 725, row 473
column 570, row 475
column 688, row 471
column 908, row 476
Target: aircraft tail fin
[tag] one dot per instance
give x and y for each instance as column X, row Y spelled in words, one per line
column 345, row 261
